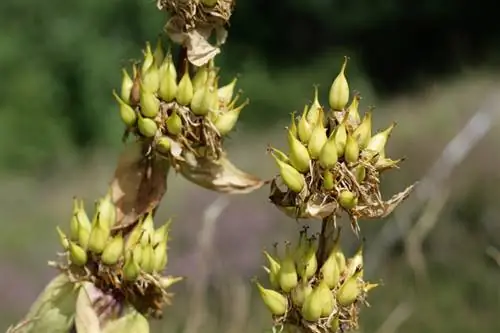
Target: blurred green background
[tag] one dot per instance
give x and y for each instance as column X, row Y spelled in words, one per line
column 429, row 65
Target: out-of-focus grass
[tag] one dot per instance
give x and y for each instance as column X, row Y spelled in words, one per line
column 463, row 294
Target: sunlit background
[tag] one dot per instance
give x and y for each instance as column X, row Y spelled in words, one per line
column 431, row 66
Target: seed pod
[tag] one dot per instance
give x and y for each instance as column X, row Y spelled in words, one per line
column 147, row 127
column 304, row 128
column 83, row 237
column 160, row 257
column 79, row 218
column 158, row 54
column 77, row 255
column 148, row 58
column 127, row 113
column 339, row 91
column 99, row 235
column 363, row 133
column 328, row 156
column 351, row 153
column 384, row 163
column 161, row 234
column 274, row 268
column 356, row 262
column 352, row 111
column 293, row 179
column 334, row 324
column 134, row 237
column 135, row 94
column 359, row 172
column 328, row 302
column 339, row 255
column 225, row 93
column 287, row 275
column 347, row 199
column 131, row 269
column 302, row 247
column 147, row 229
column 174, row 124
column 330, row 270
column 198, row 103
column 168, row 79
column 340, row 135
column 185, row 89
column 293, row 124
column 163, row 145
column 137, row 251
column 126, row 88
column 308, row 264
column 317, row 141
column 313, row 306
column 151, row 79
column 63, row 239
column 113, row 250
column 315, row 111
column 349, row 291
column 150, row 105
column 299, row 156
column 280, row 155
column 167, row 281
column 328, row 180
column 148, row 259
column 226, row 121
column 107, row 210
column 378, row 141
column 300, row 293
column 209, row 3
column 275, row 302
column 200, row 78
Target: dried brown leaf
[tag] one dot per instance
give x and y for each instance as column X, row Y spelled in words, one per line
column 218, row 175
column 138, row 184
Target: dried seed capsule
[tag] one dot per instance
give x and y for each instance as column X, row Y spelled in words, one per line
column 275, row 302
column 308, row 263
column 359, row 172
column 126, row 88
column 147, row 127
column 328, row 156
column 317, row 141
column 158, row 54
column 347, row 199
column 151, row 79
column 113, row 251
column 304, row 128
column 287, row 276
column 299, row 156
column 339, row 91
column 99, row 235
column 107, row 210
column 327, row 300
column 226, row 121
column 293, row 179
column 363, row 133
column 131, row 269
column 185, row 89
column 315, row 111
column 225, row 93
column 328, row 180
column 150, row 105
column 127, row 113
column 340, row 135
column 168, row 79
column 160, row 257
column 63, row 239
column 313, row 306
column 330, row 270
column 352, row 111
column 300, row 293
column 274, row 268
column 349, row 291
column 148, row 58
column 174, row 123
column 378, row 141
column 351, row 153
column 77, row 254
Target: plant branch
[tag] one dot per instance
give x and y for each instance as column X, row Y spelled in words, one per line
column 326, row 238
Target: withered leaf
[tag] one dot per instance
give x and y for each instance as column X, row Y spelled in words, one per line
column 86, row 320
column 130, row 322
column 138, row 184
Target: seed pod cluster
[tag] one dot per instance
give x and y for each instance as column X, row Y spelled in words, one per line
column 126, row 266
column 334, row 161
column 177, row 113
column 323, row 298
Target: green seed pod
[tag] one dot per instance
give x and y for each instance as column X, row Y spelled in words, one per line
column 107, row 210
column 315, row 111
column 226, row 121
column 99, row 235
column 135, row 94
column 83, row 237
column 163, row 145
column 77, row 255
column 339, row 91
column 356, row 262
column 150, row 105
column 63, row 239
column 308, row 263
column 334, row 324
column 299, row 156
column 330, row 270
column 347, row 199
column 200, row 78
column 168, row 79
column 339, row 255
column 148, row 259
column 131, row 269
column 147, row 127
column 363, row 133
column 158, row 54
column 384, row 163
column 137, row 251
column 302, row 247
column 287, row 276
column 185, row 89
column 126, row 88
column 113, row 251
column 198, row 103
column 317, row 141
column 174, row 124
column 148, row 58
column 151, row 79
column 275, row 302
column 293, row 124
column 359, row 171
column 313, row 306
column 340, row 135
column 147, row 229
column 280, row 155
column 209, row 3
column 225, row 93
column 300, row 293
column 127, row 113
column 293, row 179
column 78, row 220
column 328, row 302
column 161, row 234
column 353, row 112
column 328, row 156
column 134, row 237
column 167, row 281
column 328, row 180
column 349, row 291
column 160, row 257
column 273, row 270
column 351, row 153
column 304, row 128
column 378, row 141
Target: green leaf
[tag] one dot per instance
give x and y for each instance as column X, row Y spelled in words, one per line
column 54, row 309
column 131, row 322
column 86, row 320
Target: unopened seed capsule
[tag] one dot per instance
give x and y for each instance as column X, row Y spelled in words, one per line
column 356, row 262
column 225, row 93
column 148, row 58
column 315, row 111
column 151, row 79
column 147, row 127
column 359, row 172
column 200, row 78
column 274, row 268
column 352, row 111
column 63, row 239
column 340, row 135
column 77, row 254
column 351, row 153
column 327, row 300
column 313, row 306
column 338, row 254
column 299, row 156
column 158, row 54
column 126, row 88
column 174, row 124
column 131, row 269
column 163, row 145
column 209, row 3
column 150, row 105
column 161, row 234
column 147, row 229
column 308, row 263
column 330, row 270
column 287, row 276
column 275, row 302
column 99, row 235
column 293, row 124
column 107, row 210
column 83, row 237
column 113, row 251
column 378, row 141
column 328, row 155
column 300, row 293
column 347, row 199
column 293, row 179
column 185, row 89
column 168, row 79
column 328, row 180
column 280, row 155
column 78, row 219
column 160, row 257
column 127, row 113
column 339, row 91
column 349, row 291
column 226, row 121
column 363, row 133
column 304, row 128
column 334, row 324
column 167, row 281
column 317, row 141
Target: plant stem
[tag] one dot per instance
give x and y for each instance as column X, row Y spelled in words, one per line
column 326, row 238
